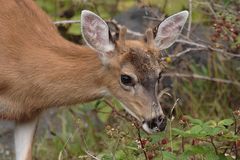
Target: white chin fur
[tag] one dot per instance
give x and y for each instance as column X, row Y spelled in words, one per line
column 147, row 129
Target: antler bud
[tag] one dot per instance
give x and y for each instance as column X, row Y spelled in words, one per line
column 150, row 39
column 122, row 37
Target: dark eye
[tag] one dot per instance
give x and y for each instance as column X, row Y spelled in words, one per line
column 127, row 80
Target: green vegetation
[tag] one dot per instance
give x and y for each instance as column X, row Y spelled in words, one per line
column 101, row 131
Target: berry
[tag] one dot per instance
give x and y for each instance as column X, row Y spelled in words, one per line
column 150, row 155
column 164, row 141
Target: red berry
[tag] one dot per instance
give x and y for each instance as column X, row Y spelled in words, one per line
column 150, row 155
column 164, row 141
column 144, row 142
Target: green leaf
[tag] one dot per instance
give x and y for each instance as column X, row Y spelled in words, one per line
column 107, row 157
column 195, row 130
column 226, row 122
column 195, row 121
column 104, row 113
column 168, row 156
column 177, row 131
column 157, row 137
column 204, row 150
column 211, row 123
column 210, row 131
column 120, row 155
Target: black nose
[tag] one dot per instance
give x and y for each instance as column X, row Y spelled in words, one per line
column 157, row 123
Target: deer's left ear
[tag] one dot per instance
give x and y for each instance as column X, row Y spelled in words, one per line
column 170, row 29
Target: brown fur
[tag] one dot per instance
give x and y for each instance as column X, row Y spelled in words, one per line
column 39, row 69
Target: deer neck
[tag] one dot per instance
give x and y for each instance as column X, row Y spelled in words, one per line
column 59, row 75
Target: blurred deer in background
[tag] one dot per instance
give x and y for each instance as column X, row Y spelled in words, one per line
column 39, row 69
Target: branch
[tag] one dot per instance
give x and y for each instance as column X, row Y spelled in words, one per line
column 191, row 43
column 183, row 52
column 158, row 19
column 66, row 22
column 90, row 155
column 141, row 142
column 131, row 32
column 208, row 47
column 190, row 19
column 214, row 146
column 195, row 76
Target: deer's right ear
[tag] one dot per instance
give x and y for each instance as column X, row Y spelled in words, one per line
column 95, row 32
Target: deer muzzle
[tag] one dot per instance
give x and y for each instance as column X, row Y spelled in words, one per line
column 154, row 125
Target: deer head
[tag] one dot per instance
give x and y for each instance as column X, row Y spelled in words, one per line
column 133, row 68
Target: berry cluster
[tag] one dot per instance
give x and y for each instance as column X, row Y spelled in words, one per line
column 226, row 31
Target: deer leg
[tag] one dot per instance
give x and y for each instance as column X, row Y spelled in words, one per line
column 23, row 134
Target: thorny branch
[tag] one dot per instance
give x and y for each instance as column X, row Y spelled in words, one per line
column 141, row 142
column 130, row 120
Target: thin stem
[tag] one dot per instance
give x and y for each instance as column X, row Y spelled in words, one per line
column 141, row 142
column 190, row 18
column 235, row 132
column 214, row 146
column 195, row 76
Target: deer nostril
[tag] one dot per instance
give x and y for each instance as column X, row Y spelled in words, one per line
column 157, row 123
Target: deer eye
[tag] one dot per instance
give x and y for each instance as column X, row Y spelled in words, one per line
column 127, row 80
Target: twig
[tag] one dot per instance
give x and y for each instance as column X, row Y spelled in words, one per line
column 214, row 146
column 90, row 155
column 66, row 22
column 182, row 144
column 65, row 145
column 208, row 47
column 182, row 53
column 224, row 52
column 174, row 105
column 164, row 6
column 141, row 142
column 154, row 19
column 235, row 132
column 191, row 43
column 196, row 76
column 190, row 18
column 131, row 32
column 209, row 6
column 151, row 18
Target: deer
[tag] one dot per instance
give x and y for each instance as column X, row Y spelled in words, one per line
column 39, row 69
